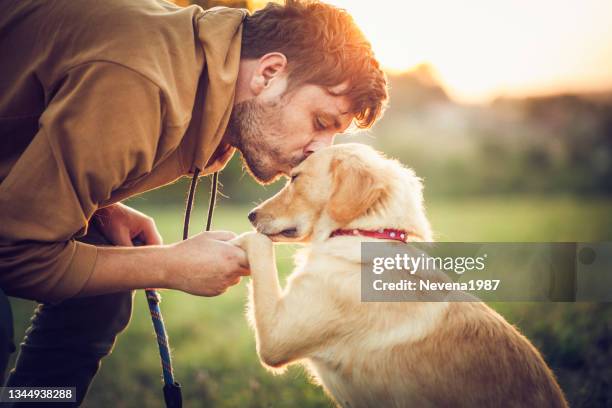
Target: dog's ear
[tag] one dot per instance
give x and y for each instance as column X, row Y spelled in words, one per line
column 355, row 189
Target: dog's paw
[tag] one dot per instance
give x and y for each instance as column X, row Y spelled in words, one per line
column 252, row 242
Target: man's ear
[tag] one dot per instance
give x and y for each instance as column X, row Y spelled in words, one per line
column 355, row 189
column 269, row 67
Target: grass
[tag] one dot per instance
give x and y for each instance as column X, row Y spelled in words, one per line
column 214, row 350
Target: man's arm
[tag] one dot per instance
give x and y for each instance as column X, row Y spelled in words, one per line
column 204, row 265
column 187, row 267
column 101, row 128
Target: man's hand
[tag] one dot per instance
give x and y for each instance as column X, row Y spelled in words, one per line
column 206, row 264
column 120, row 224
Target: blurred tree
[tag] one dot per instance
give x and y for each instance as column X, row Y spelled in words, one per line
column 416, row 88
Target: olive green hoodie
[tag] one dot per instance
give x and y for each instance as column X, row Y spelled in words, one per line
column 99, row 101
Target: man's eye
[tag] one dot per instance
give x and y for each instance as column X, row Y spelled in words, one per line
column 319, row 125
column 294, row 177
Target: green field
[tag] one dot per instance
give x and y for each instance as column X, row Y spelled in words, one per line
column 214, row 350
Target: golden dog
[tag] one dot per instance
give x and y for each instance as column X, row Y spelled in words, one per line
column 380, row 354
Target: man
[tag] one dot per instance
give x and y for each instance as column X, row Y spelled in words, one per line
column 100, row 101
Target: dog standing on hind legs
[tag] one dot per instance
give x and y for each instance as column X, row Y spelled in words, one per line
column 391, row 354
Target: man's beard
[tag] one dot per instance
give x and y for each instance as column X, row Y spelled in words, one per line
column 254, row 129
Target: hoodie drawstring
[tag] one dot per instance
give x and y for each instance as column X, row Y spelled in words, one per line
column 172, row 389
column 190, row 198
column 213, row 199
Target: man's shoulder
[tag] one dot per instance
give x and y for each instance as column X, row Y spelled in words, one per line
column 152, row 37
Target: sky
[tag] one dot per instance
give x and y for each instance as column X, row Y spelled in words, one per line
column 482, row 49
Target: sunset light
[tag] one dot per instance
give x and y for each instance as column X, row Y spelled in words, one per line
column 486, row 48
column 482, row 48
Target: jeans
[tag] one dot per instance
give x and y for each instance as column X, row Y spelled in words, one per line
column 66, row 341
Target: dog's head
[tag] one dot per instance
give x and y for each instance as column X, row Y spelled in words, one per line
column 343, row 186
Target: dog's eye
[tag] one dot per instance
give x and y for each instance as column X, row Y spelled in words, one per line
column 294, row 177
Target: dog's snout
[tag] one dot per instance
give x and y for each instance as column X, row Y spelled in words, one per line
column 252, row 216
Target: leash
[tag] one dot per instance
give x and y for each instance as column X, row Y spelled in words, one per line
column 172, row 389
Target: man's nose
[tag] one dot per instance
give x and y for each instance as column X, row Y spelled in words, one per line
column 319, row 143
column 252, row 217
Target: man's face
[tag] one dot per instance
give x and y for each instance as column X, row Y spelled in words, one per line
column 276, row 130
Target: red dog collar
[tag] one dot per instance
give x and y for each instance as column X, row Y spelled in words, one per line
column 383, row 233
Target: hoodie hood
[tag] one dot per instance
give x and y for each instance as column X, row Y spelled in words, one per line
column 219, row 32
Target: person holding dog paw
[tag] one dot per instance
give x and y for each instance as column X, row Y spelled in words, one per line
column 101, row 101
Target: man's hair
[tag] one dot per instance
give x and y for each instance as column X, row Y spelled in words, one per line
column 323, row 46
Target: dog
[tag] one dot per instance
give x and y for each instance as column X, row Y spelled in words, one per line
column 391, row 354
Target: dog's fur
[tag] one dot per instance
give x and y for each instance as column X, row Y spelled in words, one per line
column 392, row 354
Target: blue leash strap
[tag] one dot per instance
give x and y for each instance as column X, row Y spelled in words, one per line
column 172, row 389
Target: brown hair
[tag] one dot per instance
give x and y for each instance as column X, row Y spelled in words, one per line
column 323, row 46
